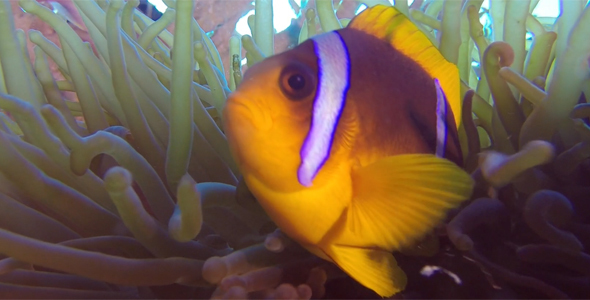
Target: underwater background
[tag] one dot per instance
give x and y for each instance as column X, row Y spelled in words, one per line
column 112, row 185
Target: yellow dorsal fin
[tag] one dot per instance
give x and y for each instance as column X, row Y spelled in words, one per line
column 389, row 24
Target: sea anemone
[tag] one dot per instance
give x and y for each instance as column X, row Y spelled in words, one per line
column 131, row 191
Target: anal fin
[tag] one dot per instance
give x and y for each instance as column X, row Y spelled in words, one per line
column 374, row 268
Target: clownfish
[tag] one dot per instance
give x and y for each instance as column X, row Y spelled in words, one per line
column 349, row 142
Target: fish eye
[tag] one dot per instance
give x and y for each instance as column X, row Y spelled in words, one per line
column 297, row 82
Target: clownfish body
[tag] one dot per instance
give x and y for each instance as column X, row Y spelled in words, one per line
column 349, row 142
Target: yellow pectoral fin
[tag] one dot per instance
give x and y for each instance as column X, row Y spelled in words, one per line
column 398, row 199
column 374, row 268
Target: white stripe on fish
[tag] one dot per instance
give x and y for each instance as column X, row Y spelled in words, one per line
column 441, row 120
column 333, row 83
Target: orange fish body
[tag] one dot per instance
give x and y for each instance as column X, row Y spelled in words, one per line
column 349, row 142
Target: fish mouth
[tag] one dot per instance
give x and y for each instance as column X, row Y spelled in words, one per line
column 235, row 110
column 246, row 112
column 240, row 129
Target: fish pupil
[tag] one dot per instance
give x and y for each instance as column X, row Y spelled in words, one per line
column 296, row 82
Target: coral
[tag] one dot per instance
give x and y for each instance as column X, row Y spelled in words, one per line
column 131, row 191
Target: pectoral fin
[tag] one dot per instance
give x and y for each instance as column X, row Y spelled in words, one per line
column 374, row 268
column 398, row 199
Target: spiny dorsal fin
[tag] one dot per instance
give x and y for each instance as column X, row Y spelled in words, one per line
column 389, row 24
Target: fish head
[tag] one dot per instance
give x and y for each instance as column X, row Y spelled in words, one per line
column 267, row 118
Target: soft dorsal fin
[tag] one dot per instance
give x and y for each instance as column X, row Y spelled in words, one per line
column 389, row 24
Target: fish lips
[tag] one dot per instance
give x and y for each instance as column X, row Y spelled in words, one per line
column 240, row 129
